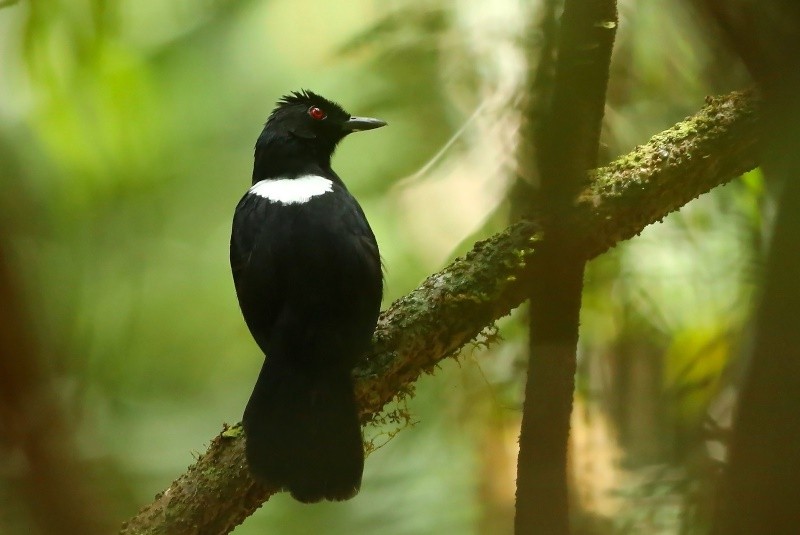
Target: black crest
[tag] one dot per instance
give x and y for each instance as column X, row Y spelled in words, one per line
column 303, row 100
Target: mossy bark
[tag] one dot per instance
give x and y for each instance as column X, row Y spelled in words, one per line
column 451, row 307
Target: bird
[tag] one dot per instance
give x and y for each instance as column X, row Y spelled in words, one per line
column 309, row 280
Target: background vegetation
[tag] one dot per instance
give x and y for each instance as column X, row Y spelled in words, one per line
column 126, row 134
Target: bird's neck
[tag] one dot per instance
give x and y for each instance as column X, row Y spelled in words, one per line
column 288, row 157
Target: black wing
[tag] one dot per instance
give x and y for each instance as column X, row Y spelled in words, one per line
column 253, row 266
column 308, row 276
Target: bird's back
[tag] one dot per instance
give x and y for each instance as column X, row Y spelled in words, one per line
column 313, row 268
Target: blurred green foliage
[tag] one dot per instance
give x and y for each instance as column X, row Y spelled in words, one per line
column 126, row 131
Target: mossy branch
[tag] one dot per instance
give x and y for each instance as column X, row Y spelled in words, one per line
column 454, row 305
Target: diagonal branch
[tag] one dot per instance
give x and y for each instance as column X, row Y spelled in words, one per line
column 454, row 305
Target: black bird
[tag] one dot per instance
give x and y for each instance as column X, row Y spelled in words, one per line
column 308, row 277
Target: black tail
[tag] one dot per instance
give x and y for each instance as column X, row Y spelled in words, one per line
column 303, row 433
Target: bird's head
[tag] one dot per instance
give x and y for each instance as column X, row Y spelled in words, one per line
column 308, row 127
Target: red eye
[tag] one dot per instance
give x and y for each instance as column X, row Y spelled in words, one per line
column 316, row 113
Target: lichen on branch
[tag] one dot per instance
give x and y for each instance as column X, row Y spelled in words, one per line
column 453, row 306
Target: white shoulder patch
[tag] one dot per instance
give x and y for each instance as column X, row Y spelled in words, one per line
column 292, row 190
